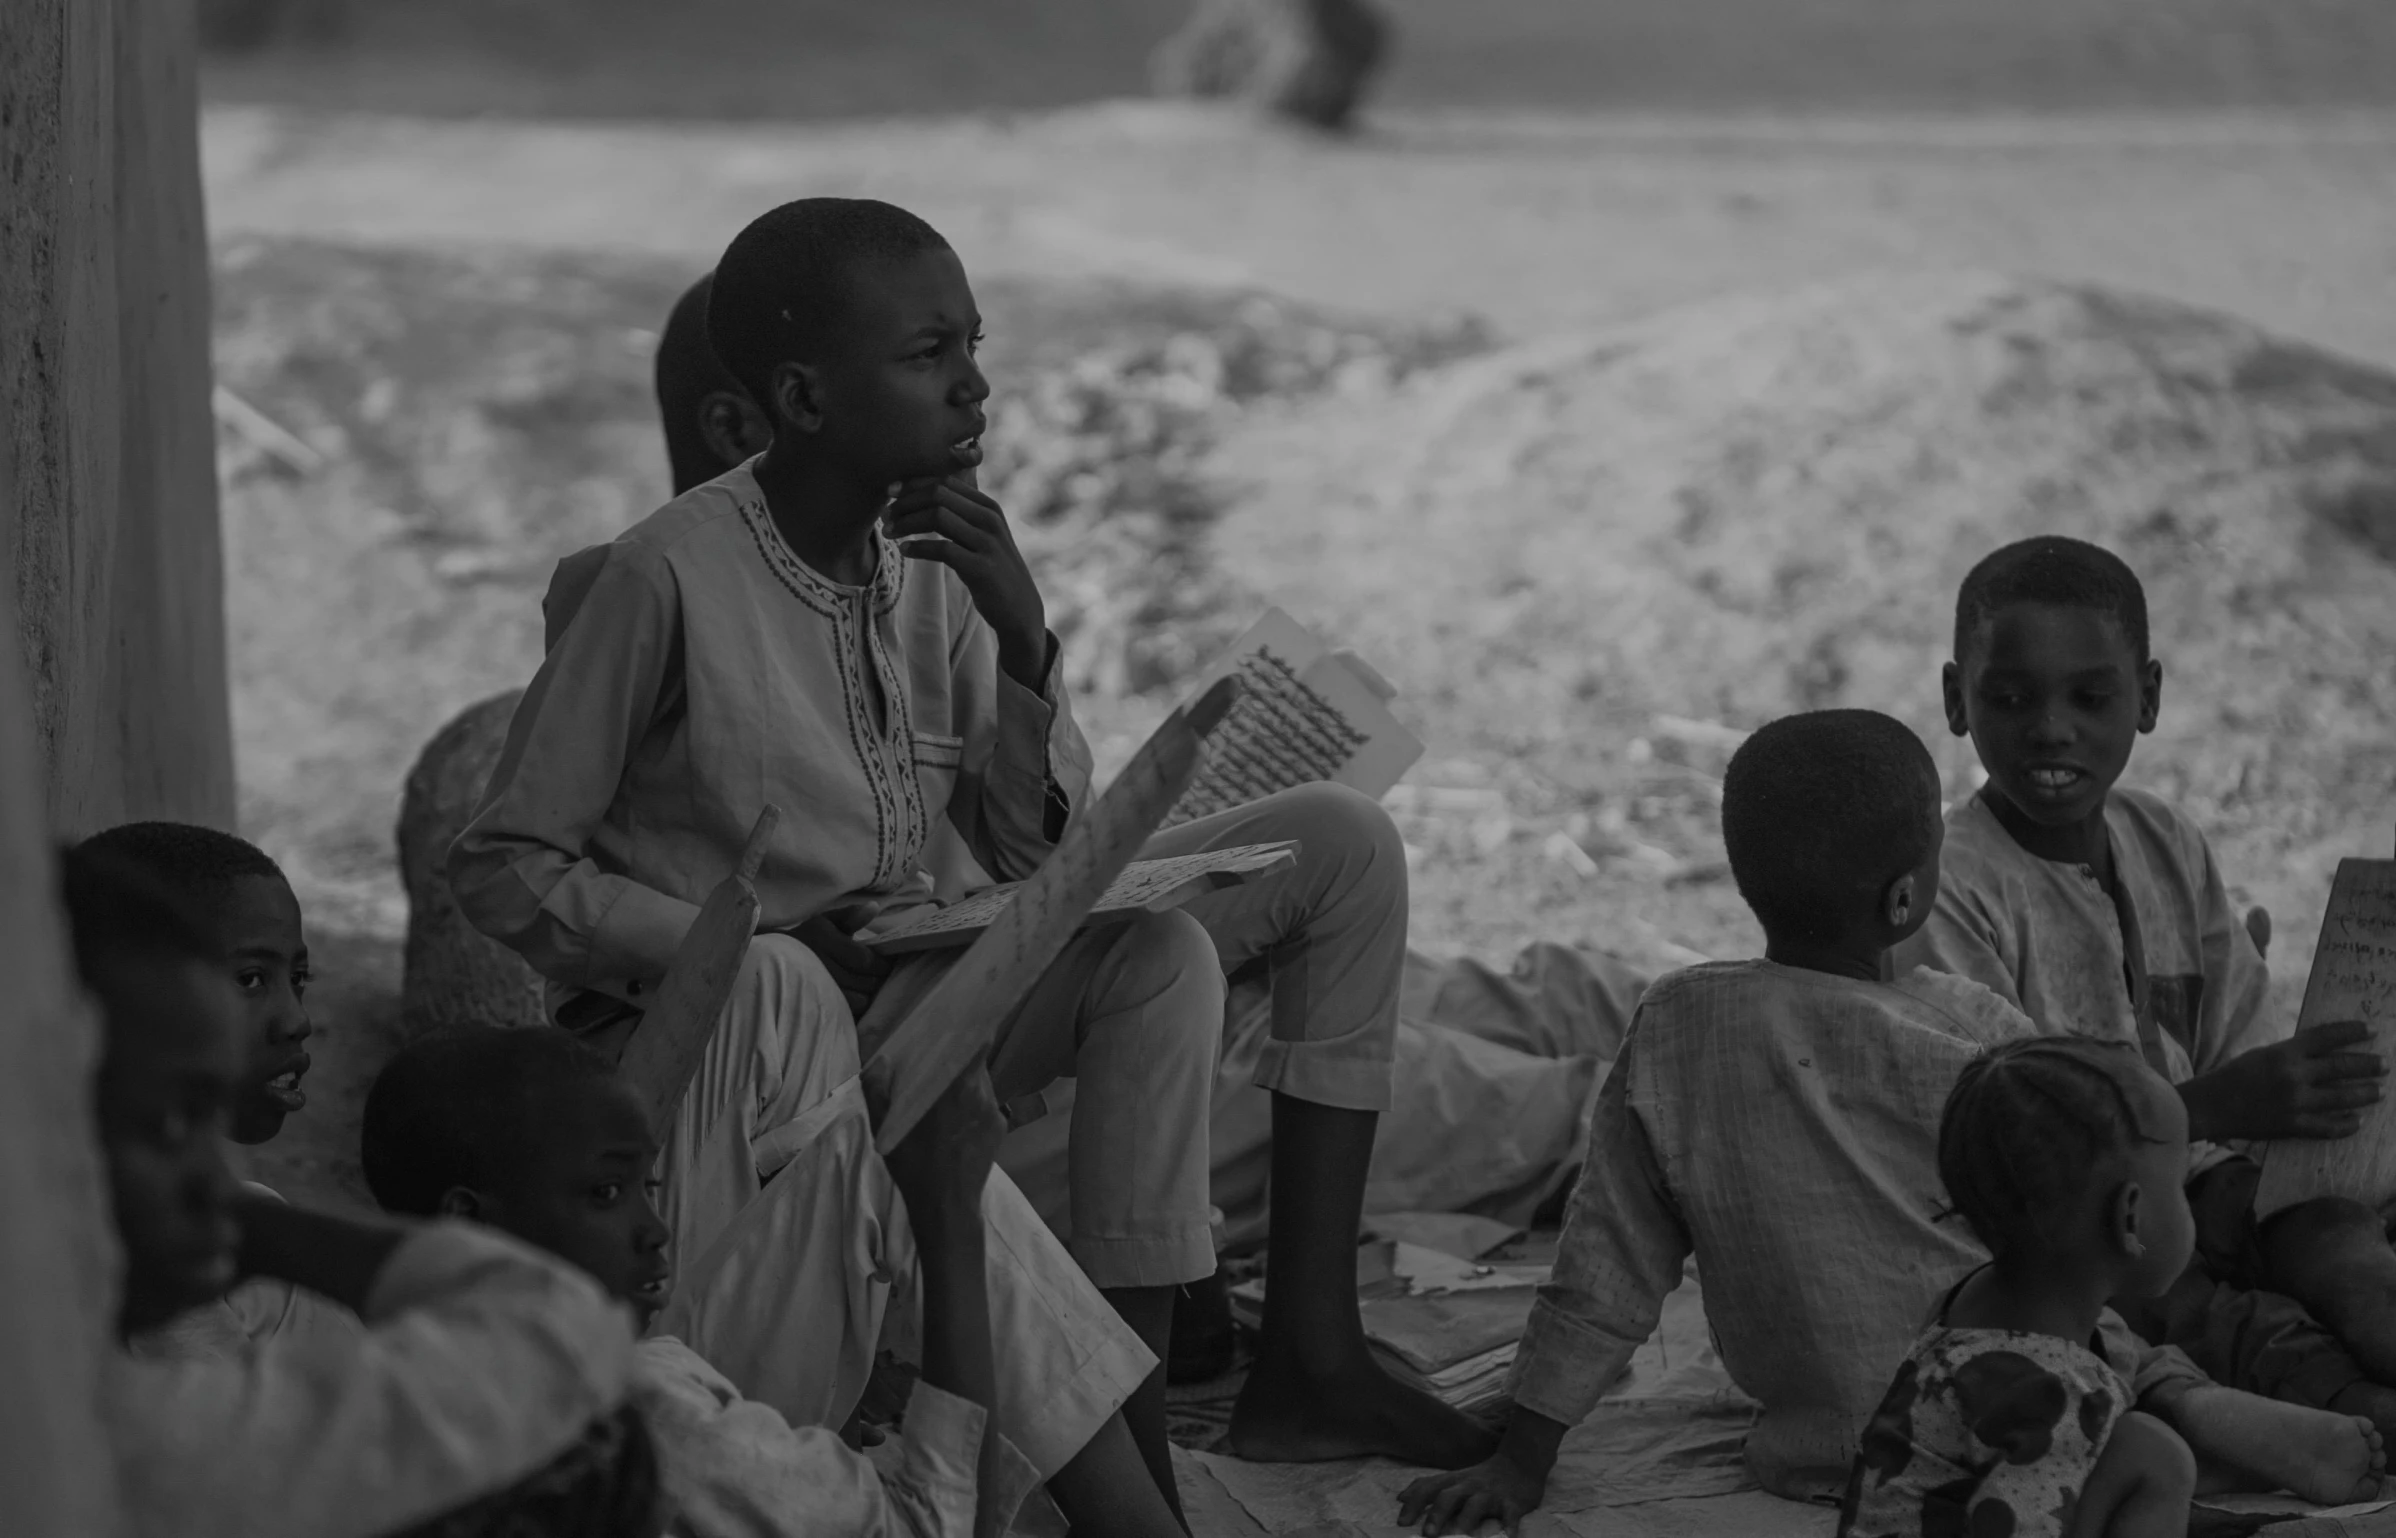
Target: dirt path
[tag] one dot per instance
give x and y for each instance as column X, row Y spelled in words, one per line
column 1535, row 222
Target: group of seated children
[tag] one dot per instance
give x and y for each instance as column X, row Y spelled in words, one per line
column 1946, row 1173
column 576, row 1322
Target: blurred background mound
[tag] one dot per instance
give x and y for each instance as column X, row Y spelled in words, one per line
column 1596, row 559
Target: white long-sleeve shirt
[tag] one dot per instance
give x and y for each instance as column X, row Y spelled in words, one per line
column 479, row 1361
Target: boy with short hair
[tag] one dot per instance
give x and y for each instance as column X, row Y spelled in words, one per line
column 1779, row 1118
column 2098, row 909
column 238, row 890
column 785, row 634
column 450, row 1129
column 487, row 1392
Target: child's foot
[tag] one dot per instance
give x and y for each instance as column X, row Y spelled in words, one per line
column 1286, row 1415
column 2340, row 1462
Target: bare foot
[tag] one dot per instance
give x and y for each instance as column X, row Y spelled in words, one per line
column 2350, row 1462
column 2319, row 1454
column 1286, row 1416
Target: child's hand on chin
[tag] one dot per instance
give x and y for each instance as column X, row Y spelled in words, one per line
column 964, row 529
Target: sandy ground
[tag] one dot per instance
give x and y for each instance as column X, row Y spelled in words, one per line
column 1542, row 224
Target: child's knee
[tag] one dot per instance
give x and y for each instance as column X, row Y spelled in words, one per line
column 1342, row 827
column 2323, row 1239
column 1167, row 963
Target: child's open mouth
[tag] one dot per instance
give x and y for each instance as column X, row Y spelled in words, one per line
column 966, row 452
column 2054, row 780
column 284, row 1088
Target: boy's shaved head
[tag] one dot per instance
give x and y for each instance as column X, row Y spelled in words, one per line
column 1821, row 811
column 184, row 855
column 782, row 285
column 2050, row 569
column 456, row 1109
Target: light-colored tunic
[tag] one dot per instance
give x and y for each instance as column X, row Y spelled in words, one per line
column 479, row 1361
column 732, row 1468
column 2048, row 939
column 1783, row 1125
column 706, row 672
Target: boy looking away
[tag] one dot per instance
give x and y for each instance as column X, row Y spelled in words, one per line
column 787, row 632
column 2099, row 910
column 242, row 895
column 530, row 1132
column 1779, row 1118
column 488, row 1385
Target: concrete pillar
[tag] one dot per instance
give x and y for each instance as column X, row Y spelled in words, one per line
column 113, row 697
column 109, row 444
column 57, row 1256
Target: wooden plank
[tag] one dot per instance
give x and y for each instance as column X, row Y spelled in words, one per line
column 1146, row 886
column 666, row 1046
column 950, row 1030
column 2353, row 978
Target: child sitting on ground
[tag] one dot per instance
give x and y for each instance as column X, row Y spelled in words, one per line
column 2098, row 909
column 845, row 628
column 256, row 935
column 530, row 1132
column 2065, row 1156
column 1780, row 1118
column 487, row 1393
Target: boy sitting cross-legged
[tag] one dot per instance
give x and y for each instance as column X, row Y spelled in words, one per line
column 1779, row 1118
column 531, row 1133
column 2098, row 909
column 484, row 1394
column 843, row 627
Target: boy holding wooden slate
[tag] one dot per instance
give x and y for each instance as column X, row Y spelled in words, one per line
column 2098, row 910
column 784, row 634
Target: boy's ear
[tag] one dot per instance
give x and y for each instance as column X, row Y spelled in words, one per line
column 2150, row 694
column 797, row 397
column 462, row 1202
column 1950, row 688
column 2123, row 1214
column 1900, row 901
column 732, row 427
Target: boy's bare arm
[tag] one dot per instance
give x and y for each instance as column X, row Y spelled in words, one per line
column 1504, row 1490
column 338, row 1258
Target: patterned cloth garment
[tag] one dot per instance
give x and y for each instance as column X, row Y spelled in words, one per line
column 1983, row 1432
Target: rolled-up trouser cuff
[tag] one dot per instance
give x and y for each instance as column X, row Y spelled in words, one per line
column 1328, row 1073
column 1165, row 1260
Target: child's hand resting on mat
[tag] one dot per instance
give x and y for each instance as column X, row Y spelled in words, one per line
column 2316, row 1084
column 968, row 533
column 1503, row 1490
